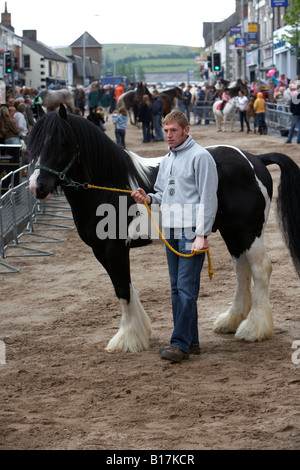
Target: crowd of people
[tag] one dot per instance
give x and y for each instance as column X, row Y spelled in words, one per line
column 98, row 102
column 276, row 94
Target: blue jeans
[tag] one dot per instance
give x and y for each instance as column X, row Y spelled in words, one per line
column 158, row 132
column 295, row 120
column 185, row 284
column 187, row 112
column 146, row 132
column 120, row 137
column 12, row 141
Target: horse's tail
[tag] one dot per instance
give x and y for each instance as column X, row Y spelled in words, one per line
column 288, row 202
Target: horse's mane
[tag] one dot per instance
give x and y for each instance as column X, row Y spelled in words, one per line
column 100, row 161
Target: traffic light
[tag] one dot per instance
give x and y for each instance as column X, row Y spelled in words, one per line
column 217, row 62
column 209, row 62
column 8, row 63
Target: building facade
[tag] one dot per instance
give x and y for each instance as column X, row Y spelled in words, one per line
column 35, row 65
column 249, row 41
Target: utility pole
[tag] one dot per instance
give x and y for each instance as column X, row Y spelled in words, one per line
column 213, row 48
column 83, row 59
column 243, row 36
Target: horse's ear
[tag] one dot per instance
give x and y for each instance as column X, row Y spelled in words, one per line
column 62, row 111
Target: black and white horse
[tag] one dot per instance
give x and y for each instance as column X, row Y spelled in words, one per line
column 71, row 149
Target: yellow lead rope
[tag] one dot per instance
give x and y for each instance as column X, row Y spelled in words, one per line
column 210, row 271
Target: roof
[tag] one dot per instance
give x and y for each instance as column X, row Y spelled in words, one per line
column 220, row 29
column 44, row 50
column 89, row 41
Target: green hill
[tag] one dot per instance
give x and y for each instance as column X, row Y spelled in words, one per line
column 146, row 57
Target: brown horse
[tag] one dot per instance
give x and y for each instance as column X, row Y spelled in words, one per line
column 251, row 113
column 133, row 99
column 168, row 96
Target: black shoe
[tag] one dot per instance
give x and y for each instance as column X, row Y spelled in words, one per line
column 195, row 349
column 174, row 354
column 287, row 142
column 242, row 130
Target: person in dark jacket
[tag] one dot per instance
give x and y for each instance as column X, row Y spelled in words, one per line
column 157, row 111
column 187, row 102
column 295, row 110
column 145, row 117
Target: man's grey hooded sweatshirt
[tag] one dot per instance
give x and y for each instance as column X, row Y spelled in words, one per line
column 186, row 188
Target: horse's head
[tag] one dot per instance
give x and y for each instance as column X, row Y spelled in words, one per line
column 179, row 93
column 52, row 145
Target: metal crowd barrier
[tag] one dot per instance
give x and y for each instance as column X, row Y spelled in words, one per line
column 278, row 117
column 22, row 218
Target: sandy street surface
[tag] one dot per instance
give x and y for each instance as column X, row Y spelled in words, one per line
column 61, row 390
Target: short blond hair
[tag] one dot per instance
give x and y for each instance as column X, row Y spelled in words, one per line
column 176, row 116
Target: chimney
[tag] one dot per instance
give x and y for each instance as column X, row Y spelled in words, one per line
column 30, row 34
column 6, row 19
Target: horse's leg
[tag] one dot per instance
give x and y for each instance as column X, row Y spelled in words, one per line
column 232, row 121
column 229, row 321
column 258, row 325
column 224, row 122
column 250, row 318
column 218, row 121
column 135, row 325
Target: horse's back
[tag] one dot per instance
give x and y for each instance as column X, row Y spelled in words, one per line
column 244, row 191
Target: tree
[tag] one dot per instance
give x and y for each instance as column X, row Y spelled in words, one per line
column 292, row 35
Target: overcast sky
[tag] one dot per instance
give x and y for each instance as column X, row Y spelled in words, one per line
column 61, row 22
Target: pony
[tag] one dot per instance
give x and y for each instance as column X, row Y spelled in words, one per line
column 70, row 152
column 226, row 115
column 53, row 98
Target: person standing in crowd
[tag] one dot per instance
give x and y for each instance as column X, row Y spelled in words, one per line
column 105, row 103
column 145, row 117
column 157, row 111
column 37, row 103
column 120, row 120
column 101, row 92
column 210, row 96
column 29, row 114
column 20, row 118
column 180, row 103
column 119, row 90
column 187, row 177
column 260, row 111
column 199, row 104
column 81, row 99
column 93, row 99
column 8, row 128
column 243, row 104
column 187, row 102
column 295, row 110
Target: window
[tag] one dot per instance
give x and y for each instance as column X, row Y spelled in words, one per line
column 26, row 59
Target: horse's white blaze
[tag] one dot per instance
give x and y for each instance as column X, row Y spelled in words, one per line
column 135, row 327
